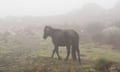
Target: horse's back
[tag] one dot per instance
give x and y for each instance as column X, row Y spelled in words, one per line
column 63, row 37
column 72, row 34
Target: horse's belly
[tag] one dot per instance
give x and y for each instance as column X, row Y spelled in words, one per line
column 61, row 43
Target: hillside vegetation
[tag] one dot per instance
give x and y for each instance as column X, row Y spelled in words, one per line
column 30, row 53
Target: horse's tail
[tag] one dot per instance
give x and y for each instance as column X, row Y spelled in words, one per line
column 75, row 48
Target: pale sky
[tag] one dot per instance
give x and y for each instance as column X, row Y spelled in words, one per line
column 46, row 7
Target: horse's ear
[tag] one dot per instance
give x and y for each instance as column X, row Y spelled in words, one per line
column 48, row 28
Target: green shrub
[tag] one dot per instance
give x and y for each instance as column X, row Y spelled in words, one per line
column 103, row 65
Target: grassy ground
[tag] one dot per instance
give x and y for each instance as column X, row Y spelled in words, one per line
column 33, row 55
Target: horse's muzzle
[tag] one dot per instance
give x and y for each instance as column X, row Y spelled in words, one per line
column 44, row 37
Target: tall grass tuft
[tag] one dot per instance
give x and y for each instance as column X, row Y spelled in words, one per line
column 103, row 65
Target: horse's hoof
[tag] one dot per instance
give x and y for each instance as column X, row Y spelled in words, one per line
column 66, row 59
column 79, row 61
column 74, row 58
column 51, row 57
column 59, row 58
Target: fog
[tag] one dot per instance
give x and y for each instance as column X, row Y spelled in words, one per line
column 22, row 23
column 73, row 14
column 46, row 7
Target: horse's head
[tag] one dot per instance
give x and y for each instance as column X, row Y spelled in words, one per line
column 47, row 31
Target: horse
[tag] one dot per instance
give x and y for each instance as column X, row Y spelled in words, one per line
column 68, row 38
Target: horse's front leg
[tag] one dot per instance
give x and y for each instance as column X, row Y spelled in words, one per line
column 68, row 52
column 57, row 52
column 53, row 53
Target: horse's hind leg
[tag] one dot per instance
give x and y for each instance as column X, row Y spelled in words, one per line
column 74, row 54
column 68, row 53
column 78, row 52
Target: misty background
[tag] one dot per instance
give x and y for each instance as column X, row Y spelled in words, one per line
column 22, row 22
column 95, row 21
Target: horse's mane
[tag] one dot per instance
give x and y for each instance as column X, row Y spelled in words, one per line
column 55, row 29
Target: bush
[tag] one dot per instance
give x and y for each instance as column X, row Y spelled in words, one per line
column 103, row 65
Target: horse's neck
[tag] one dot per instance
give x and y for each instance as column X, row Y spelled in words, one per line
column 53, row 32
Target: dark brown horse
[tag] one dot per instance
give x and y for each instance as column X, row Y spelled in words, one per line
column 68, row 38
